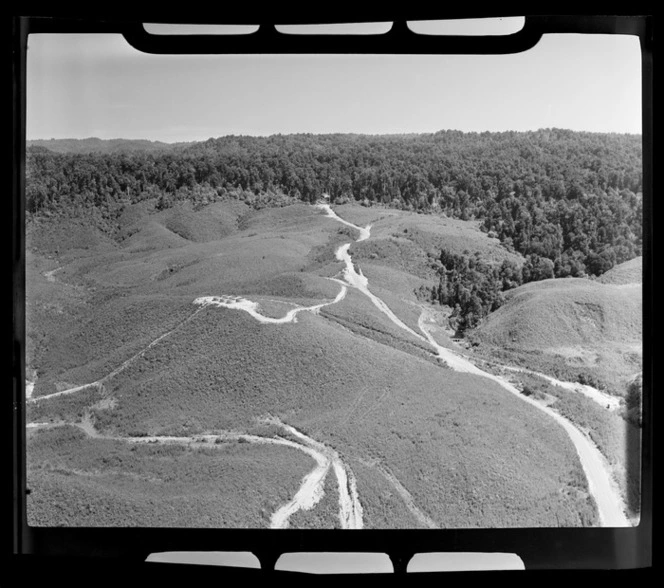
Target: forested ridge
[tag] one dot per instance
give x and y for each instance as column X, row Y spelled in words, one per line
column 569, row 202
column 115, row 319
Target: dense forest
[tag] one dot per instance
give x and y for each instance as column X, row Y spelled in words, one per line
column 473, row 287
column 569, row 202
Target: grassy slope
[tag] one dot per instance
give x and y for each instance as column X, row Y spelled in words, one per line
column 78, row 481
column 396, row 288
column 554, row 313
column 433, row 433
column 629, row 272
column 468, row 452
column 578, row 329
column 256, row 257
column 109, row 301
column 67, row 238
column 358, row 314
column 48, row 305
column 224, row 368
column 397, row 258
column 427, row 233
column 382, row 507
column 87, row 349
column 617, row 439
column 422, row 422
column 212, row 223
column 580, row 323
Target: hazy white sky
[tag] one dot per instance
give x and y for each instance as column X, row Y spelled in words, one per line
column 97, row 85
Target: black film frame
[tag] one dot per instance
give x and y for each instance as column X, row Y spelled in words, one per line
column 539, row 548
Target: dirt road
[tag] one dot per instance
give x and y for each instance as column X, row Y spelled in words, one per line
column 601, row 486
column 238, row 303
column 607, row 498
column 609, row 503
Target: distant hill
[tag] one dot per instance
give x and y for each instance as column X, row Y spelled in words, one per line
column 95, row 145
column 570, row 203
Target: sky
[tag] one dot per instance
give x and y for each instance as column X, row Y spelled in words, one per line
column 82, row 86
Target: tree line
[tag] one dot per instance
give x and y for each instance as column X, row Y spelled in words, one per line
column 471, row 286
column 569, row 202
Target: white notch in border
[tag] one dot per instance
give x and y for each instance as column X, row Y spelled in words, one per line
column 353, row 28
column 198, row 29
column 335, row 563
column 464, row 562
column 235, row 559
column 469, row 26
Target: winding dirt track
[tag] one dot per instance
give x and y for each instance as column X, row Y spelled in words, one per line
column 608, row 500
column 609, row 503
column 99, row 383
column 605, row 400
column 420, row 516
column 311, row 489
column 238, row 303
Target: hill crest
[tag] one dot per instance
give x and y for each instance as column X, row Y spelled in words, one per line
column 629, row 272
column 97, row 145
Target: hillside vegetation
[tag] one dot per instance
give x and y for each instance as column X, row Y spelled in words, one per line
column 347, row 377
column 566, row 204
column 629, row 272
column 579, row 329
column 569, row 311
column 526, row 244
column 470, row 454
column 82, row 482
column 572, row 198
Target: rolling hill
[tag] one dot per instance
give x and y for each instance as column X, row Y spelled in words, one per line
column 195, row 318
column 119, row 315
column 629, row 272
column 591, row 324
